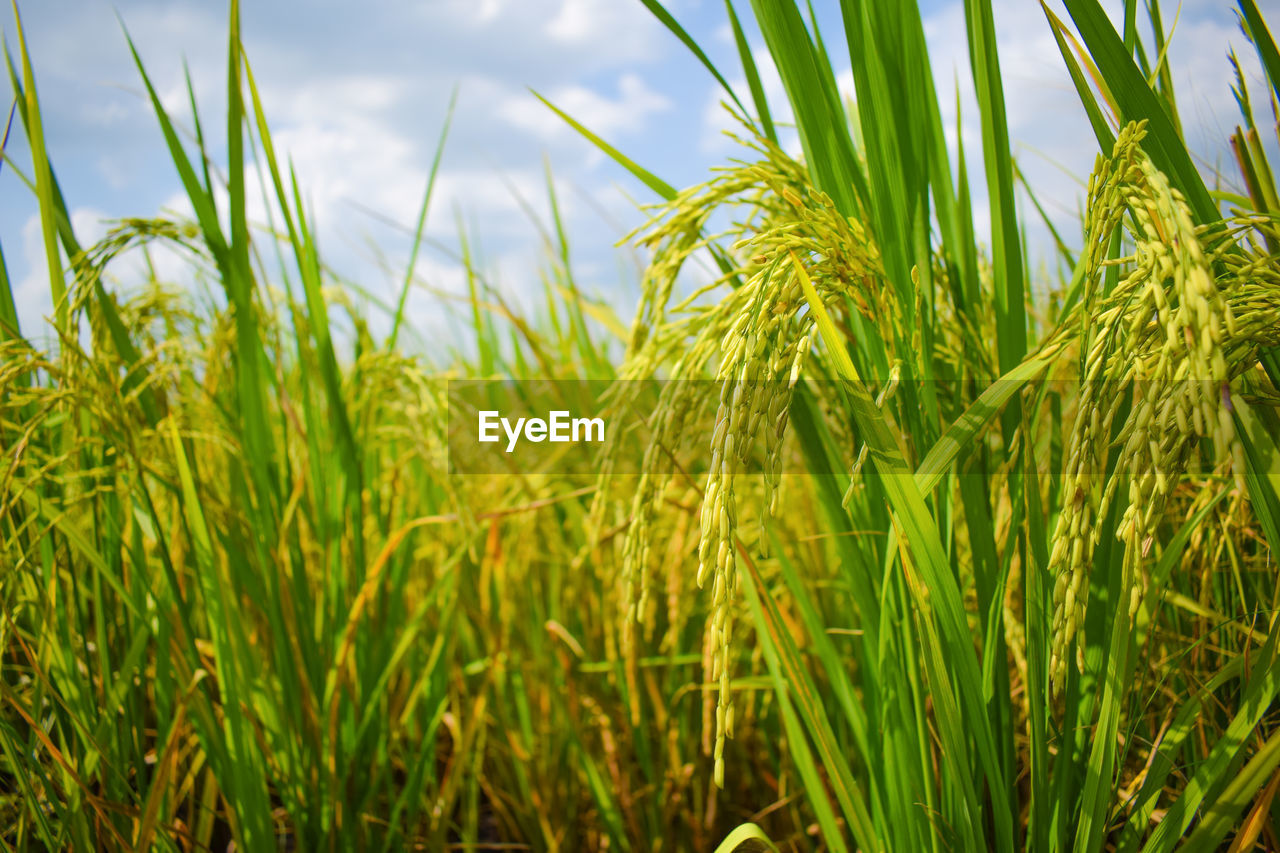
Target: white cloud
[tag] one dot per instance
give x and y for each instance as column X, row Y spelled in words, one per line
column 597, row 22
column 576, row 35
column 574, row 22
column 32, row 297
column 488, row 192
column 113, row 171
column 486, row 10
column 89, row 224
column 443, row 277
column 358, row 160
column 628, row 112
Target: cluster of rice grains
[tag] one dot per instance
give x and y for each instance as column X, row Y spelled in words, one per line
column 1161, row 346
column 756, row 340
column 47, row 401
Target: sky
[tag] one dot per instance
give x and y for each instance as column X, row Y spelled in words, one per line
column 356, row 95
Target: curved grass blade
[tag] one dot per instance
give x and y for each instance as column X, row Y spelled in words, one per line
column 650, row 180
column 747, row 838
column 959, row 436
column 1097, row 120
column 1216, row 776
column 811, row 89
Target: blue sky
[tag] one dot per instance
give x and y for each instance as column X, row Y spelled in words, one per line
column 356, row 93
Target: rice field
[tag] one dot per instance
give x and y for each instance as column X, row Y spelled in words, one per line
column 903, row 543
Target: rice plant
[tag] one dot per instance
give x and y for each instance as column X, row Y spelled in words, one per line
column 968, row 604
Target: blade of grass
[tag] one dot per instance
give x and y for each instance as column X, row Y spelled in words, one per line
column 1216, row 777
column 1011, row 321
column 422, row 221
column 753, row 74
column 650, row 180
column 44, row 181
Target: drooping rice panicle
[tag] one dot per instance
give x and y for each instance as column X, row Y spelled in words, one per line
column 1168, row 340
column 752, row 346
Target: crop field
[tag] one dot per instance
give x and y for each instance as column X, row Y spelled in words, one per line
column 884, row 536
